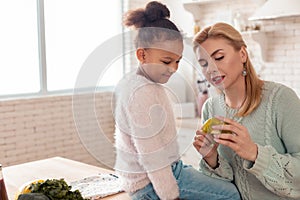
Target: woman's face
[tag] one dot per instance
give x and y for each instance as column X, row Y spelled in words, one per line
column 221, row 64
column 160, row 62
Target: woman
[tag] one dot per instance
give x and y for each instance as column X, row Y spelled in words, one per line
column 148, row 158
column 262, row 155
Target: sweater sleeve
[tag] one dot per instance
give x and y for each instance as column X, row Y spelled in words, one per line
column 153, row 134
column 224, row 170
column 279, row 172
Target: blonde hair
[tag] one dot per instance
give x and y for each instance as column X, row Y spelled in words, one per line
column 253, row 82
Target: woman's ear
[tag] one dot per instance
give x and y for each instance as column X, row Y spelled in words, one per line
column 140, row 54
column 244, row 54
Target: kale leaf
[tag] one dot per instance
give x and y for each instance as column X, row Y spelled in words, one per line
column 56, row 189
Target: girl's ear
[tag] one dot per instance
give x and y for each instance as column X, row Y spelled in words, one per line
column 244, row 54
column 140, row 54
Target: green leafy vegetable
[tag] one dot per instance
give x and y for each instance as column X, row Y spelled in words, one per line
column 56, row 189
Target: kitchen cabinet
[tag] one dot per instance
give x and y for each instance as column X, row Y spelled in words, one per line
column 194, row 6
column 199, row 2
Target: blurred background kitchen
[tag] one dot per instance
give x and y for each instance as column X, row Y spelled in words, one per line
column 44, row 44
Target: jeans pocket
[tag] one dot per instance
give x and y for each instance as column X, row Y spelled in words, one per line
column 150, row 197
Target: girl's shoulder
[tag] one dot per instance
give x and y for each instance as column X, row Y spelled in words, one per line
column 133, row 83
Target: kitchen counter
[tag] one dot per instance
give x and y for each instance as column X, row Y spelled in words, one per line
column 53, row 168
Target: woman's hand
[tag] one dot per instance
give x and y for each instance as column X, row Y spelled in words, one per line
column 207, row 147
column 239, row 141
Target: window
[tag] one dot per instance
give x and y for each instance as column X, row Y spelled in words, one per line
column 70, row 29
column 19, row 64
column 73, row 30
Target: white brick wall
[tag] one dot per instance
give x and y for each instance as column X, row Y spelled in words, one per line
column 283, row 60
column 38, row 128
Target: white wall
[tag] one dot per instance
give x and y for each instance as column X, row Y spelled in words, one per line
column 42, row 127
column 183, row 19
column 282, row 62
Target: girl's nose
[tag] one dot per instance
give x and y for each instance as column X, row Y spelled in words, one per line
column 173, row 68
column 211, row 68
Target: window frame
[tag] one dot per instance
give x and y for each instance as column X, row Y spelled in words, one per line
column 42, row 56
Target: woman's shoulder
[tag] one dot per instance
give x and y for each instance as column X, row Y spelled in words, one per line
column 270, row 85
column 276, row 88
column 279, row 92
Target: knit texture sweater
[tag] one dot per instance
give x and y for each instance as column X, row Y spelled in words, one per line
column 145, row 137
column 275, row 127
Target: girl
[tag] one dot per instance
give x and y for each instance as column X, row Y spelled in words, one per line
column 147, row 151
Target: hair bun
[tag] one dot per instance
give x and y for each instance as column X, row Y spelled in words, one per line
column 155, row 11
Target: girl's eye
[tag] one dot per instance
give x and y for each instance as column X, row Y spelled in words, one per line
column 219, row 58
column 166, row 62
column 203, row 63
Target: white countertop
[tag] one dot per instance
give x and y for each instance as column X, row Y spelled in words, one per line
column 52, row 168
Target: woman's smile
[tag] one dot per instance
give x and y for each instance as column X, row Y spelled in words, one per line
column 217, row 80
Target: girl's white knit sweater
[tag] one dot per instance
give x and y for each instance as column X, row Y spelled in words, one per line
column 145, row 137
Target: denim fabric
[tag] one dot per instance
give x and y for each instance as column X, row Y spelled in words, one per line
column 193, row 185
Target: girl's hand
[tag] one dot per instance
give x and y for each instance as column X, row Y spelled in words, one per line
column 207, row 147
column 239, row 141
column 205, row 144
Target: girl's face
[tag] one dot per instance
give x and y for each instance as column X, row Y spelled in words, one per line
column 161, row 61
column 221, row 64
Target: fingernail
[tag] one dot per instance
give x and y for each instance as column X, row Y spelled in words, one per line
column 216, row 140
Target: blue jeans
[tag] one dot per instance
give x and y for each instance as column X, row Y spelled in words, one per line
column 193, row 185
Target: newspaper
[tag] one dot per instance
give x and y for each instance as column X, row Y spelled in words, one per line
column 98, row 186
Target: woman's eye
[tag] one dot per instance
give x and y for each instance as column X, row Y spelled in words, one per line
column 219, row 58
